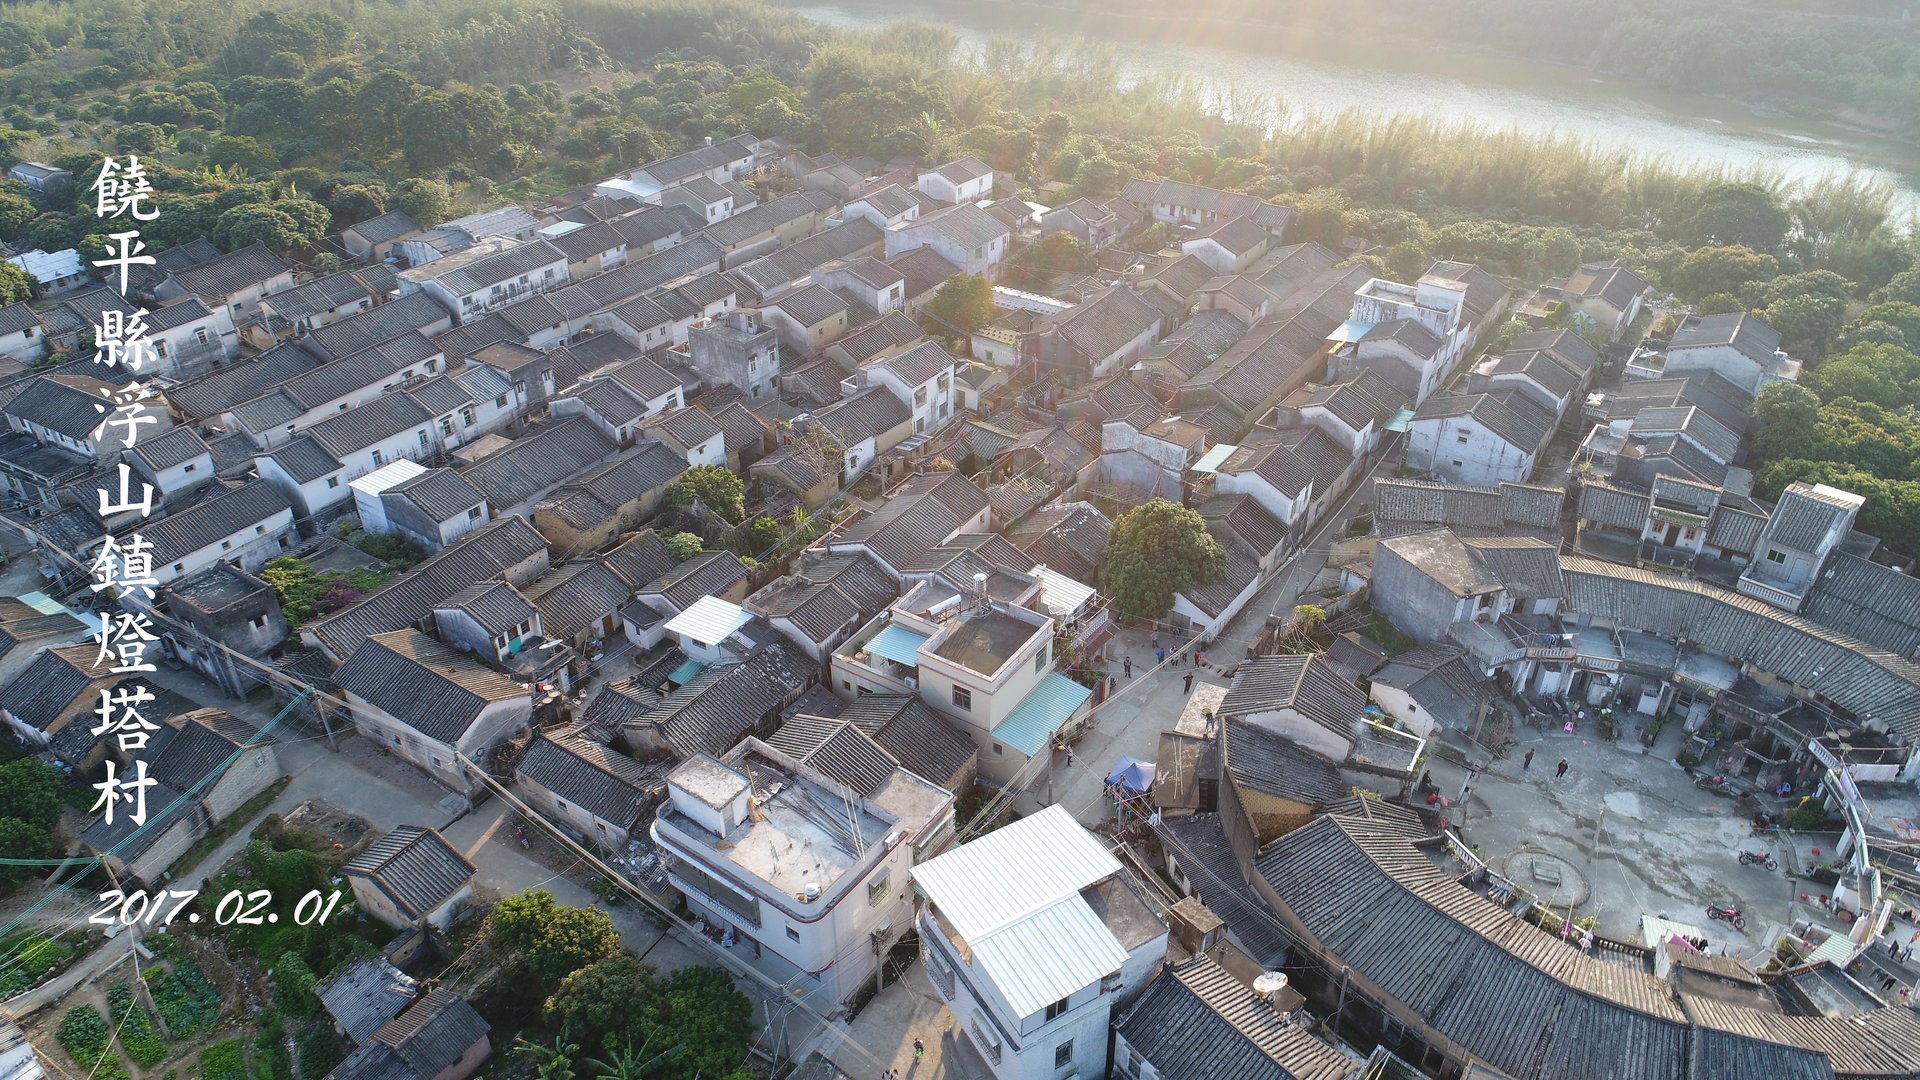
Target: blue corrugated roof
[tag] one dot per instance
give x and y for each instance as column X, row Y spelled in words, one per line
column 1035, row 719
column 898, row 644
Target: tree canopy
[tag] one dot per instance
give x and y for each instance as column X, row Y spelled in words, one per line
column 554, row 940
column 1155, row 550
column 718, row 488
column 964, row 302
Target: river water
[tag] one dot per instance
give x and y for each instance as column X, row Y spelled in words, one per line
column 1300, row 77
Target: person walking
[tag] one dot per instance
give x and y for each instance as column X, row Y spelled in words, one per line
column 1159, row 656
column 1562, row 770
column 1188, row 689
column 1156, row 639
column 1127, row 665
column 1527, row 762
column 919, row 1048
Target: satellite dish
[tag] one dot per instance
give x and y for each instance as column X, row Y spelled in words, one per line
column 1270, row 981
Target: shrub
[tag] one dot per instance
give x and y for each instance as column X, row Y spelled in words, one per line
column 137, row 1036
column 186, row 1000
column 1810, row 816
column 223, row 1061
column 85, row 1034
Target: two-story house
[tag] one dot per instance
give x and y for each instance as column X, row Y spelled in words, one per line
column 964, row 235
column 488, row 275
column 1426, row 582
column 239, row 280
column 1033, row 934
column 964, row 181
column 1738, row 346
column 1808, row 523
column 1480, row 439
column 432, row 507
column 250, row 525
column 741, row 351
column 922, row 378
column 808, row 319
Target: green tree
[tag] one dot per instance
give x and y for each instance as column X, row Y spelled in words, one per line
column 16, row 286
column 699, row 1010
column 550, row 1062
column 1720, row 270
column 30, row 791
column 596, row 1000
column 716, row 486
column 425, row 200
column 683, row 545
column 21, row 840
column 15, row 212
column 1745, row 214
column 1406, row 261
column 1155, row 550
column 1904, row 287
column 242, row 152
column 257, row 222
column 1323, row 220
column 432, row 133
column 1787, row 412
column 555, row 940
column 1808, row 324
column 964, row 302
column 518, row 919
column 1886, row 375
column 353, row 203
column 763, row 534
column 1100, row 176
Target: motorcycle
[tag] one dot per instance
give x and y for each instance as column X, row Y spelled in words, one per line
column 1759, row 858
column 1729, row 915
column 1710, row 783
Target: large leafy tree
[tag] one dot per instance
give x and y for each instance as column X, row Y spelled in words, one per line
column 597, row 1000
column 964, row 302
column 1787, row 412
column 555, row 940
column 1723, row 269
column 426, row 201
column 1742, row 213
column 1155, row 550
column 15, row 286
column 243, row 225
column 717, row 487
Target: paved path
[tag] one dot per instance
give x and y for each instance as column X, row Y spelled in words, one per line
column 907, row 1010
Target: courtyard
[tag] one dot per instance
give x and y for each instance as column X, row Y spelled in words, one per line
column 1626, row 832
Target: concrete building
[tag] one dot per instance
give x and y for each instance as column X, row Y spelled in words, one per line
column 1807, row 525
column 1739, row 347
column 599, row 794
column 745, row 841
column 225, row 605
column 1032, row 935
column 964, row 235
column 1426, row 582
column 1482, row 439
column 741, row 351
column 249, row 526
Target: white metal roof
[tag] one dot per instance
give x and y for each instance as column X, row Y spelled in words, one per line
column 709, row 621
column 1014, row 896
column 388, row 475
column 49, row 266
column 1060, row 594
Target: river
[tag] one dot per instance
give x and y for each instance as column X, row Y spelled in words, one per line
column 1498, row 93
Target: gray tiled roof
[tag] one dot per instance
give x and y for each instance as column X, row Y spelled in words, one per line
column 366, row 424
column 363, row 994
column 1306, row 684
column 422, row 683
column 516, row 262
column 378, row 325
column 539, row 462
column 68, row 404
column 1514, row 417
column 577, row 597
column 764, row 218
column 706, row 574
column 42, row 692
column 604, row 783
column 207, row 523
column 581, row 244
column 415, row 867
column 230, row 273
column 924, row 268
column 812, row 305
column 1746, row 332
column 483, row 554
column 966, row 225
column 329, row 293
column 598, row 495
column 169, row 448
column 304, row 459
column 1616, row 506
column 920, row 364
column 1802, row 518
column 441, row 494
column 17, row 317
column 1197, row 1020
column 497, row 606
column 698, row 254
column 688, row 427
column 639, row 558
column 391, row 225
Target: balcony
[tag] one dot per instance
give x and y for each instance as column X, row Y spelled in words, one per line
column 1781, row 594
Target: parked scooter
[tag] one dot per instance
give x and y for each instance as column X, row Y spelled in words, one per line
column 1727, row 914
column 1759, row 858
column 1713, row 782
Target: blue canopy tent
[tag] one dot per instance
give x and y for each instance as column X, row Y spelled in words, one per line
column 1132, row 776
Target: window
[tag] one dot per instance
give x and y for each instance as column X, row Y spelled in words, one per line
column 226, row 545
column 945, row 381
column 159, row 348
column 1775, row 555
column 997, row 751
column 792, row 934
column 446, row 427
column 466, row 415
column 919, row 423
column 1063, row 1055
column 1463, row 434
column 259, row 530
column 177, row 567
column 27, row 333
column 258, row 622
column 846, row 684
column 1053, row 1013
column 963, row 697
column 500, row 402
column 432, row 366
column 343, row 406
column 333, row 481
column 1457, row 463
column 190, row 467
column 877, row 890
column 473, row 514
column 424, row 441
column 378, row 460
column 919, row 397
column 1040, row 659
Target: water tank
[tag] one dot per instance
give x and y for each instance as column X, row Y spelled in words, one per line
column 812, row 893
